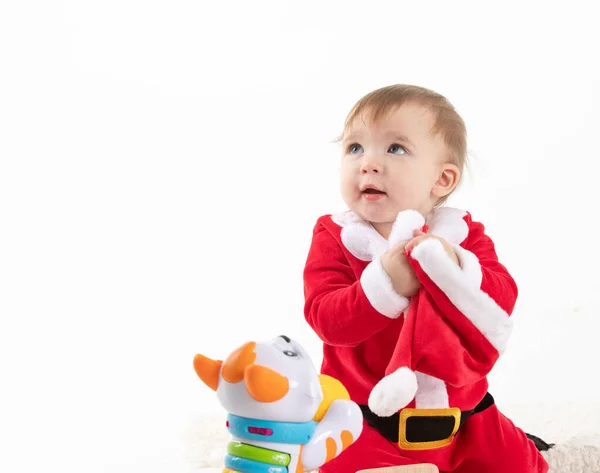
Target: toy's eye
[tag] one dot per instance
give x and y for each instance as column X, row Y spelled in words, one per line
column 290, row 353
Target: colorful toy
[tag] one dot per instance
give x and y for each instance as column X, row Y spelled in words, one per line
column 282, row 415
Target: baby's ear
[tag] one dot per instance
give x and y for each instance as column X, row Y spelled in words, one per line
column 448, row 179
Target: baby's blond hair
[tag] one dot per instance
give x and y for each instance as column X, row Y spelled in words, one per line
column 447, row 122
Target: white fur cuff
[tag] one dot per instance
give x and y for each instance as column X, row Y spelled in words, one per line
column 470, row 266
column 378, row 288
column 459, row 285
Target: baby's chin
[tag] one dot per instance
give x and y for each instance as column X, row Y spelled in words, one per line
column 379, row 216
column 372, row 215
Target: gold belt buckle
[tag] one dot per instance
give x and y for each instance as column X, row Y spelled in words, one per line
column 406, row 414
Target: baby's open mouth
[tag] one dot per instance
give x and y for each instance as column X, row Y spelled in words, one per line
column 372, row 194
column 372, row 191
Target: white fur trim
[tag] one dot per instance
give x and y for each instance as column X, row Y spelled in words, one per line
column 378, row 288
column 449, row 223
column 359, row 236
column 365, row 243
column 393, row 392
column 489, row 318
column 470, row 265
column 406, row 223
column 432, row 392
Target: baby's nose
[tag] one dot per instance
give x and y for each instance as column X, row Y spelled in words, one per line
column 371, row 164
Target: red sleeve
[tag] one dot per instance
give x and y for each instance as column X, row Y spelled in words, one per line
column 342, row 310
column 476, row 299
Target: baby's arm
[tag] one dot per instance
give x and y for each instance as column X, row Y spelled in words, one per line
column 475, row 297
column 340, row 309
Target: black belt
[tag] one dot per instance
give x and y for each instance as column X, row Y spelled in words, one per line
column 420, row 429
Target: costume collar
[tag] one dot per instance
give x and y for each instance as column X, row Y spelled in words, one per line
column 365, row 243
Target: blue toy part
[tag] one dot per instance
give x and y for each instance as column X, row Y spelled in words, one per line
column 243, row 465
column 298, row 433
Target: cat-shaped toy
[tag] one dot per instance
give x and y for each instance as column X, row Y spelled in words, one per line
column 283, row 417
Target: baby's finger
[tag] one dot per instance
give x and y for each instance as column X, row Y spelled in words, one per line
column 414, row 242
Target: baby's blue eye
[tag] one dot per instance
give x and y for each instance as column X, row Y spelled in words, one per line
column 355, row 148
column 397, row 149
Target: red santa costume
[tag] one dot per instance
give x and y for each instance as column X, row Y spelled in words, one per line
column 417, row 367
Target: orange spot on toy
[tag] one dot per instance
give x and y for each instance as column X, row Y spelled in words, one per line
column 331, row 449
column 347, row 439
column 299, row 467
column 236, row 363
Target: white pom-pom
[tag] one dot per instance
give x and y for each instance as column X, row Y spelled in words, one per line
column 393, row 392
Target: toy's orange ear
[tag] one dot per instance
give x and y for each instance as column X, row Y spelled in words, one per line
column 264, row 384
column 208, row 370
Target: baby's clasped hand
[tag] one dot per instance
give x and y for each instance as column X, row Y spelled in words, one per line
column 420, row 236
column 396, row 265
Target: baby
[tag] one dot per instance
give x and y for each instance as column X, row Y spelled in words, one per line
column 409, row 298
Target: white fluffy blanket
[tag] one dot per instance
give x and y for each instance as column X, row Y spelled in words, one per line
column 574, row 428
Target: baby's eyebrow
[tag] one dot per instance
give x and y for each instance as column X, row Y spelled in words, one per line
column 351, row 137
column 404, row 138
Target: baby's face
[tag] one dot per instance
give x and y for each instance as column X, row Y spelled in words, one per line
column 391, row 165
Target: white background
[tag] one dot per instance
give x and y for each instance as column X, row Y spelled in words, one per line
column 163, row 164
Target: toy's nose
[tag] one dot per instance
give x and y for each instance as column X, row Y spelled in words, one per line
column 235, row 365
